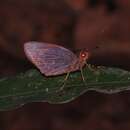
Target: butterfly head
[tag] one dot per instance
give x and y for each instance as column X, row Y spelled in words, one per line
column 84, row 55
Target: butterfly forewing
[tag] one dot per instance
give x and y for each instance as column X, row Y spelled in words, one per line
column 49, row 58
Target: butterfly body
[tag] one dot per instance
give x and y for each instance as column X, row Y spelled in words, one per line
column 53, row 59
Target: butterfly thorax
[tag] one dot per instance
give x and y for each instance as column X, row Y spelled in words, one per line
column 81, row 61
column 83, row 57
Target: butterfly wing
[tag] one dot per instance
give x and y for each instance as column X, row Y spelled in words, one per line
column 49, row 58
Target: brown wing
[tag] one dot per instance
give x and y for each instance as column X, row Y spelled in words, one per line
column 49, row 58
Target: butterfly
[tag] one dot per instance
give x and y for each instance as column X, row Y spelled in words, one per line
column 52, row 59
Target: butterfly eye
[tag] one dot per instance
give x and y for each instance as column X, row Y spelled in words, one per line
column 83, row 55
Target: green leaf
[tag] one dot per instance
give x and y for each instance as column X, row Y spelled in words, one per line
column 34, row 87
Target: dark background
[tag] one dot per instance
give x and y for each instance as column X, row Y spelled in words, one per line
column 75, row 24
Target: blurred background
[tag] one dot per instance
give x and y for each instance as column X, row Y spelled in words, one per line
column 74, row 24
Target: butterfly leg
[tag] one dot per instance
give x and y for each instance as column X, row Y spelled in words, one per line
column 82, row 75
column 81, row 70
column 88, row 66
column 92, row 69
column 64, row 81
